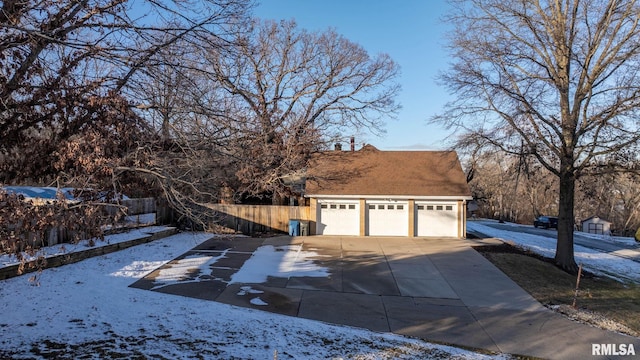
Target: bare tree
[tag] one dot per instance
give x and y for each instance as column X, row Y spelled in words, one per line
column 560, row 77
column 614, row 197
column 291, row 88
column 65, row 61
column 185, row 157
column 67, row 116
column 505, row 188
column 252, row 109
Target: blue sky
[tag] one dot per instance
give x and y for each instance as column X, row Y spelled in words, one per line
column 411, row 32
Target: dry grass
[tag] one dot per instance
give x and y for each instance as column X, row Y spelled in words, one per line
column 551, row 286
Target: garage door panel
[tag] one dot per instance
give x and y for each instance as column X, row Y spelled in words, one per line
column 437, row 219
column 338, row 218
column 387, row 219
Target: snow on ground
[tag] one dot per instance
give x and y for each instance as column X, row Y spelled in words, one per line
column 88, row 309
column 181, row 270
column 282, row 261
column 610, row 238
column 594, row 261
column 66, row 248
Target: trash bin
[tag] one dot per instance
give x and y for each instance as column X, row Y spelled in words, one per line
column 304, row 227
column 294, row 227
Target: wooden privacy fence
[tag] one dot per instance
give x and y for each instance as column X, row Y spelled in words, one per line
column 135, row 206
column 250, row 219
column 135, row 209
column 140, row 206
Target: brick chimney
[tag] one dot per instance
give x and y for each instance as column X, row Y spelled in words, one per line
column 353, row 143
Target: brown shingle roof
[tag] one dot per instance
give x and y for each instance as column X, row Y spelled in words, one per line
column 370, row 171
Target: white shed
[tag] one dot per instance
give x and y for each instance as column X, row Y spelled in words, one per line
column 596, row 225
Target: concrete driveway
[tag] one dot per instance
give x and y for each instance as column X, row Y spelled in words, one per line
column 434, row 289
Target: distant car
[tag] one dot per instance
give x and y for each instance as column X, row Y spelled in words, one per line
column 546, row 222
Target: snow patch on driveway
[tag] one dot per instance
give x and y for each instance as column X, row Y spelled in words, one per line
column 281, row 261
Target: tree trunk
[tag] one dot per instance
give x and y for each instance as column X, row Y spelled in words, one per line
column 564, row 246
column 165, row 127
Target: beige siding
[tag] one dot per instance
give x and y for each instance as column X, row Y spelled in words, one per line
column 363, row 217
column 412, row 218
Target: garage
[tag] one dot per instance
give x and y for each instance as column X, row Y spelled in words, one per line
column 387, row 218
column 370, row 192
column 437, row 219
column 338, row 217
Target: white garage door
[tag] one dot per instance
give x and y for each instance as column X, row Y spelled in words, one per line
column 387, row 219
column 338, row 218
column 438, row 219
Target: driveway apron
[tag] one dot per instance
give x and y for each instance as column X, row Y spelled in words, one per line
column 438, row 290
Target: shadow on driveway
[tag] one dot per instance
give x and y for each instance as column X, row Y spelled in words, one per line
column 434, row 289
